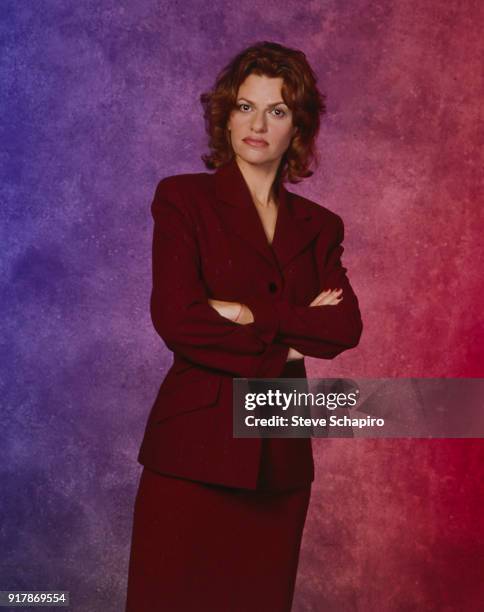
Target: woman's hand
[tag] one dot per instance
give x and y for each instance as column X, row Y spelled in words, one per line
column 235, row 311
column 293, row 355
column 328, row 297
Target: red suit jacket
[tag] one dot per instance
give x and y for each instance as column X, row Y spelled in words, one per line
column 209, row 242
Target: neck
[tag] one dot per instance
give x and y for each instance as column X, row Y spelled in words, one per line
column 260, row 181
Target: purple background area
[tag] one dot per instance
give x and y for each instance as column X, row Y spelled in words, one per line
column 100, row 101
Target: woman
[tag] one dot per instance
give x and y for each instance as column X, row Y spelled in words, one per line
column 247, row 280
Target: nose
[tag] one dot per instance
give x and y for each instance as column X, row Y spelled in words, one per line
column 259, row 122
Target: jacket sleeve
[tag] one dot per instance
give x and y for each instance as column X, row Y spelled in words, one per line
column 179, row 306
column 319, row 331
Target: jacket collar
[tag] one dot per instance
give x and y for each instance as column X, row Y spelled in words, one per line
column 293, row 231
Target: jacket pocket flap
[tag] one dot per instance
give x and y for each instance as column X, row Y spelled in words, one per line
column 188, row 390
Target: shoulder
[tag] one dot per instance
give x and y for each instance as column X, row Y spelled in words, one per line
column 182, row 190
column 183, row 184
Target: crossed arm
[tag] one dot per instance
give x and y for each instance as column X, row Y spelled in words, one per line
column 242, row 315
column 268, row 332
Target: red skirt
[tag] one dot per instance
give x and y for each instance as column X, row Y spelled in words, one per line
column 200, row 547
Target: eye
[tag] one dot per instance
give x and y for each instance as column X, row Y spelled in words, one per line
column 281, row 112
column 239, row 106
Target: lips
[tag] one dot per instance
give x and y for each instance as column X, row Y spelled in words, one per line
column 255, row 143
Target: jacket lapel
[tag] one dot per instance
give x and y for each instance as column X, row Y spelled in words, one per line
column 293, row 231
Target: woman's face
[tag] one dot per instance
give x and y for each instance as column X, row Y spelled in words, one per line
column 261, row 115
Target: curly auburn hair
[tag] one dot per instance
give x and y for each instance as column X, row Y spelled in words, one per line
column 299, row 91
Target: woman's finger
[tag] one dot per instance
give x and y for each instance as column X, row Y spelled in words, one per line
column 329, row 292
column 334, row 297
column 318, row 297
column 332, row 302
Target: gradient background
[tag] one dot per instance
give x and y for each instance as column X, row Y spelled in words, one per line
column 100, row 101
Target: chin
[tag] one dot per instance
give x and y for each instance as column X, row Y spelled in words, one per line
column 255, row 158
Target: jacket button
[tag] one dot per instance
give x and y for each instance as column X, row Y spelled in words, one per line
column 272, row 287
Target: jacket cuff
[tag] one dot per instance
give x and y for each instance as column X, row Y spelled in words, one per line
column 272, row 363
column 266, row 318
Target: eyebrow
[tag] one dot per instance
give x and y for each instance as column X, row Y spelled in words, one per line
column 271, row 104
